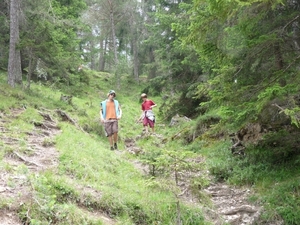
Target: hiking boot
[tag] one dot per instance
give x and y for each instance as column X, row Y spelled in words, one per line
column 116, row 146
column 112, row 148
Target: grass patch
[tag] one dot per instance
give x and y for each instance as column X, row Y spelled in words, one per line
column 125, row 191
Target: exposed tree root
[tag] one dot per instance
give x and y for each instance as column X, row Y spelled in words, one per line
column 66, row 117
column 240, row 209
column 25, row 160
column 46, row 116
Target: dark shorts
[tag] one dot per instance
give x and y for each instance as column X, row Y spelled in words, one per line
column 110, row 127
column 146, row 121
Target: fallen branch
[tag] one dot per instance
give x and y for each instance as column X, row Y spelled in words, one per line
column 279, row 107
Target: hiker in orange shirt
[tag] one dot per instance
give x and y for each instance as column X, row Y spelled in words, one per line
column 110, row 113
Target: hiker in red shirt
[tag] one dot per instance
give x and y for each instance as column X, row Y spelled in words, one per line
column 147, row 116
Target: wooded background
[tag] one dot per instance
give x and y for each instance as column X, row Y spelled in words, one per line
column 235, row 61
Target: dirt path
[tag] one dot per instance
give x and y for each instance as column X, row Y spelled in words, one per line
column 229, row 205
column 33, row 153
column 232, row 204
column 11, row 184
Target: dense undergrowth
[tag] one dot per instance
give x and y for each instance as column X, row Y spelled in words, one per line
column 113, row 186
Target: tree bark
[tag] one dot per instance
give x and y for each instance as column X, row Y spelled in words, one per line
column 103, row 45
column 30, row 67
column 32, row 63
column 113, row 31
column 92, row 47
column 14, row 60
column 296, row 35
column 279, row 62
column 134, row 47
column 152, row 72
column 135, row 61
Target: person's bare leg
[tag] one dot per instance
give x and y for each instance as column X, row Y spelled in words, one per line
column 110, row 139
column 116, row 137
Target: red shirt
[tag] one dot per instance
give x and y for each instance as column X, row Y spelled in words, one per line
column 146, row 104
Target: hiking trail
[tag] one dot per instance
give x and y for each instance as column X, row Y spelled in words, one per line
column 229, row 204
column 35, row 152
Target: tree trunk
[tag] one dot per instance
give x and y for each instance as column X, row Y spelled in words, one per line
column 296, row 35
column 114, row 42
column 113, row 32
column 152, row 72
column 278, row 56
column 14, row 60
column 92, row 52
column 30, row 67
column 178, row 221
column 135, row 61
column 103, row 45
column 134, row 47
column 279, row 62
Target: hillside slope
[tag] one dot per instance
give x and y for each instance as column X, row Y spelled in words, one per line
column 56, row 166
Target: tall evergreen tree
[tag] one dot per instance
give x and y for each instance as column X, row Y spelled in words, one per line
column 49, row 38
column 176, row 66
column 4, row 33
column 14, row 61
column 248, row 50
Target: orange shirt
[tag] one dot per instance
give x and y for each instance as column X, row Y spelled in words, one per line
column 110, row 110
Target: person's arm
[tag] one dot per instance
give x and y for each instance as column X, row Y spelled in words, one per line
column 120, row 113
column 102, row 119
column 101, row 115
column 141, row 117
column 154, row 105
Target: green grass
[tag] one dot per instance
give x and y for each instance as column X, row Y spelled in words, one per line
column 124, row 189
column 90, row 177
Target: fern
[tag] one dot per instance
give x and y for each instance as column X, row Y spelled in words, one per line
column 294, row 114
